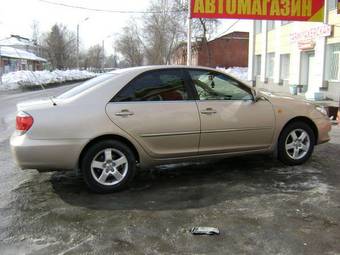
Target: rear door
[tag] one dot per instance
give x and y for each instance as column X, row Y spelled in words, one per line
column 231, row 121
column 157, row 109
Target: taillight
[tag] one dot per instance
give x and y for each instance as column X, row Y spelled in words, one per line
column 24, row 122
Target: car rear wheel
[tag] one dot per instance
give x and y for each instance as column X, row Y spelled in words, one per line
column 108, row 166
column 296, row 143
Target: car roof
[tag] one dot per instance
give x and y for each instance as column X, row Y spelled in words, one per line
column 157, row 67
column 141, row 69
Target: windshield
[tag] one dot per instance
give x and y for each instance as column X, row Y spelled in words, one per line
column 85, row 86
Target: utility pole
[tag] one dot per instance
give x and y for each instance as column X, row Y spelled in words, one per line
column 103, row 55
column 77, row 46
column 78, row 40
column 1, row 67
column 189, row 34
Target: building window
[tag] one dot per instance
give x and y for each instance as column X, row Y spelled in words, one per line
column 285, row 22
column 258, row 65
column 332, row 4
column 270, row 65
column 258, row 26
column 333, row 52
column 270, row 25
column 284, row 64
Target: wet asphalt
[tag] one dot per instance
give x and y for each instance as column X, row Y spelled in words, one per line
column 260, row 205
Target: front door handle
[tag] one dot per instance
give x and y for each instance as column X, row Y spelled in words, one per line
column 124, row 113
column 209, row 111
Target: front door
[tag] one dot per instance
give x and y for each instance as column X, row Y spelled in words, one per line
column 231, row 120
column 155, row 108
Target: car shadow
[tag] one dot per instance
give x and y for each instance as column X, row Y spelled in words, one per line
column 195, row 185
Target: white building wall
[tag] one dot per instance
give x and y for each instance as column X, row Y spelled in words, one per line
column 320, row 84
column 263, row 76
column 277, row 52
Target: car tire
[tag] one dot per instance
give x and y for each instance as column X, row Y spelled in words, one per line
column 108, row 166
column 296, row 143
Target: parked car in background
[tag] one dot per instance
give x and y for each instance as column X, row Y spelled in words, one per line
column 146, row 116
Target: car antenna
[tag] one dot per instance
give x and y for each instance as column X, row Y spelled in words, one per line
column 35, row 77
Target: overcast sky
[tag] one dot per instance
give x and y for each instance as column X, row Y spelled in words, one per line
column 16, row 17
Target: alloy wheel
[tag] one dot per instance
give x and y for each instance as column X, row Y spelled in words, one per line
column 109, row 167
column 297, row 144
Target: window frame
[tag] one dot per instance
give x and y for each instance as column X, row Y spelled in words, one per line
column 242, row 85
column 130, row 83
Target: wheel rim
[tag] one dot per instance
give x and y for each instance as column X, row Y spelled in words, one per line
column 109, row 167
column 297, row 144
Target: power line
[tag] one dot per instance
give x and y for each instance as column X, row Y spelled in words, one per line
column 105, row 10
column 230, row 27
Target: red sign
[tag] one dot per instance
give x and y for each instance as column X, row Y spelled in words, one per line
column 295, row 10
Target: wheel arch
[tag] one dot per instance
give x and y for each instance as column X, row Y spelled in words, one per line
column 108, row 137
column 306, row 120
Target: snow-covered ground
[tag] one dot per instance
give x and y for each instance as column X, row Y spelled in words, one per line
column 22, row 79
column 239, row 72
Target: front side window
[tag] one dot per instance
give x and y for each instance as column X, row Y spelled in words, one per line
column 216, row 86
column 160, row 85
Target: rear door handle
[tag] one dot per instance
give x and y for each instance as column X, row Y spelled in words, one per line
column 209, row 111
column 124, row 113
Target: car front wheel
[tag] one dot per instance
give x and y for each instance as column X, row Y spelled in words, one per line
column 296, row 143
column 108, row 166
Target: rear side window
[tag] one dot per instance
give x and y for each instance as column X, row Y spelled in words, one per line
column 160, row 85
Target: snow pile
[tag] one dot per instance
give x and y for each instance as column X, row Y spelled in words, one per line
column 23, row 79
column 239, row 72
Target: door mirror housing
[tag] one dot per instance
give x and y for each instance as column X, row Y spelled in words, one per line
column 257, row 97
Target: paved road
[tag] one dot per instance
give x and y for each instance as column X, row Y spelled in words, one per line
column 260, row 206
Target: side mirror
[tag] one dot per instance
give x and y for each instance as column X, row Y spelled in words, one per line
column 253, row 91
column 256, row 96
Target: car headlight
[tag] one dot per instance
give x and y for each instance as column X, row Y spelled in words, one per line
column 322, row 110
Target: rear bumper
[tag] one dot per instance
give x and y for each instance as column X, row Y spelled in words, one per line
column 46, row 155
column 324, row 127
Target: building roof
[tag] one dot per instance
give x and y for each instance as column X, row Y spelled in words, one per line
column 234, row 35
column 11, row 52
column 16, row 40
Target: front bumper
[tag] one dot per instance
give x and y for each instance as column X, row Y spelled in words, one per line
column 46, row 155
column 324, row 126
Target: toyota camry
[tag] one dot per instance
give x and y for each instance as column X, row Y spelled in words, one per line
column 112, row 125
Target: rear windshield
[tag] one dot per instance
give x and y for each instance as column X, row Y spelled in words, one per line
column 85, row 86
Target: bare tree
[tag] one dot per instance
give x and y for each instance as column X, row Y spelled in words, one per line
column 111, row 61
column 60, row 47
column 129, row 45
column 94, row 57
column 162, row 30
column 204, row 28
